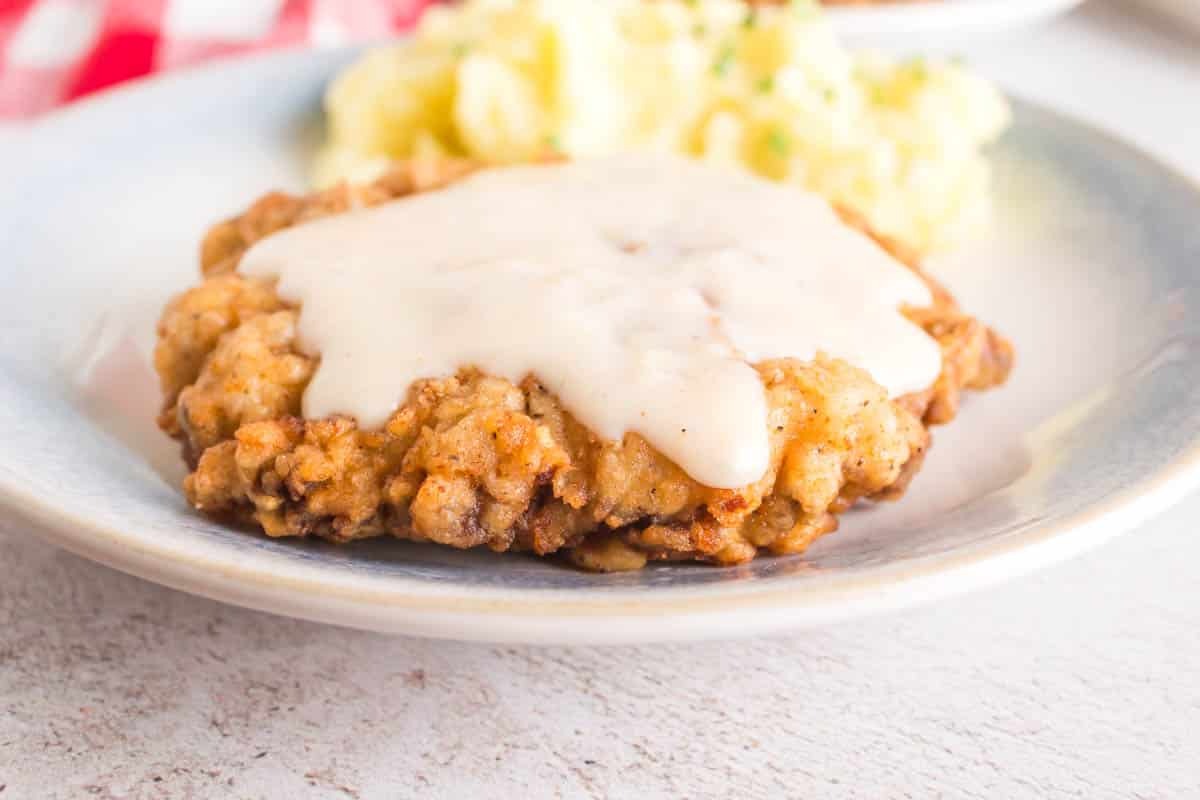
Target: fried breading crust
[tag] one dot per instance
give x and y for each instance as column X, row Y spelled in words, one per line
column 473, row 460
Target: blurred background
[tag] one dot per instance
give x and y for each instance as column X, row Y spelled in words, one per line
column 53, row 51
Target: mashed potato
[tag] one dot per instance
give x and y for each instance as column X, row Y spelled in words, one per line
column 769, row 89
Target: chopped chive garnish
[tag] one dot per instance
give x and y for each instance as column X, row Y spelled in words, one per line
column 766, row 85
column 751, row 18
column 779, row 144
column 804, row 7
column 724, row 61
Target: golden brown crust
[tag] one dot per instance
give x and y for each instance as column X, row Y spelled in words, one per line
column 225, row 242
column 473, row 460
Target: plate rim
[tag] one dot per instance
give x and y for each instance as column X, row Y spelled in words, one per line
column 550, row 616
column 944, row 16
column 415, row 606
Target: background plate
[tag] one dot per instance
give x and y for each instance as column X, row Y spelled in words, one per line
column 933, row 17
column 1090, row 270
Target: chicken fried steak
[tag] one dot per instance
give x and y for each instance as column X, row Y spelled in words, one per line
column 470, row 459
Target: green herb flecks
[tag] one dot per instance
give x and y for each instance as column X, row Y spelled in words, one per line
column 918, row 68
column 805, row 8
column 779, row 143
column 724, row 61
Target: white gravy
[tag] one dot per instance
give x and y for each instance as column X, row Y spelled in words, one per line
column 638, row 289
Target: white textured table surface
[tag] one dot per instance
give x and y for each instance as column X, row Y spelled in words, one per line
column 1082, row 681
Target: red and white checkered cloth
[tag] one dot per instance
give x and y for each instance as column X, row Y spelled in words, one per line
column 53, row 51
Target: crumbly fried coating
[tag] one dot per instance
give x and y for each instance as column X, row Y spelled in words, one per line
column 473, row 460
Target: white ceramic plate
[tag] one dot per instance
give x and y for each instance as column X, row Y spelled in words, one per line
column 1092, row 271
column 935, row 17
